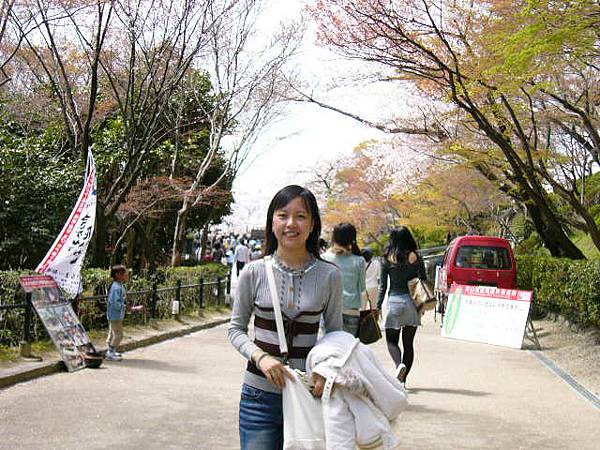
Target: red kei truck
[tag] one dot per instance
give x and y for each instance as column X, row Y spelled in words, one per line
column 476, row 260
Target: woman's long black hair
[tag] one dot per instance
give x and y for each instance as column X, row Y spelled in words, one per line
column 401, row 244
column 344, row 234
column 280, row 200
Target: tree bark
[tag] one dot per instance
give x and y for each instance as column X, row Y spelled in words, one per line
column 179, row 238
column 551, row 231
column 132, row 240
column 101, row 233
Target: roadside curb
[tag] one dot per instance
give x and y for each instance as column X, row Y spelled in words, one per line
column 49, row 368
column 567, row 378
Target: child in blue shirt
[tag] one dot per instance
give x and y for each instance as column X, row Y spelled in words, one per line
column 116, row 311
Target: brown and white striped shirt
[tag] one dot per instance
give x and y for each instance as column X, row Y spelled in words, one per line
column 305, row 295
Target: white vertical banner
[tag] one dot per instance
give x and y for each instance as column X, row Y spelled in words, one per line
column 64, row 259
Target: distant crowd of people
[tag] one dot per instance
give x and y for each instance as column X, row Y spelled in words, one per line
column 231, row 250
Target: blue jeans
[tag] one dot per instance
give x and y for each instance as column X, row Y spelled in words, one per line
column 261, row 420
column 350, row 324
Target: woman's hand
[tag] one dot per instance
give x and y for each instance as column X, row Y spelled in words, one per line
column 318, row 385
column 275, row 371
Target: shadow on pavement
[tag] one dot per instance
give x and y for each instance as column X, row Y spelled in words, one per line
column 152, row 364
column 449, row 391
column 422, row 409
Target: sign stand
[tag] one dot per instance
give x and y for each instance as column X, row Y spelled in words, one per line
column 530, row 332
column 59, row 319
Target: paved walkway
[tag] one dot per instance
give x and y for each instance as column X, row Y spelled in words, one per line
column 184, row 393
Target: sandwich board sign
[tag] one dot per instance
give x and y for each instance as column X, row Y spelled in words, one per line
column 61, row 322
column 487, row 314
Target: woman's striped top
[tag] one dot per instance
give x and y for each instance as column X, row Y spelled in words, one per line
column 305, row 295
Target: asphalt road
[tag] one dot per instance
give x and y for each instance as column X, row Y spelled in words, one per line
column 183, row 394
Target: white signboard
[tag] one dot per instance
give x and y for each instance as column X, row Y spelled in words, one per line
column 64, row 259
column 487, row 314
column 60, row 321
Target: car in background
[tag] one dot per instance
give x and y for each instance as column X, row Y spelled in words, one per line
column 476, row 260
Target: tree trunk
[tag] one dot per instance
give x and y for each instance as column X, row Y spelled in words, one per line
column 147, row 233
column 551, row 231
column 131, row 246
column 546, row 223
column 179, row 237
column 204, row 241
column 101, row 237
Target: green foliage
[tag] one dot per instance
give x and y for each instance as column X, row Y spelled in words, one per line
column 429, row 236
column 592, row 194
column 533, row 245
column 542, row 35
column 37, row 191
column 9, row 284
column 564, row 286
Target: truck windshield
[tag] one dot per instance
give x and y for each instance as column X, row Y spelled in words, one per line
column 480, row 257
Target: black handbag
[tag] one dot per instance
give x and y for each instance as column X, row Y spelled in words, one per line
column 368, row 326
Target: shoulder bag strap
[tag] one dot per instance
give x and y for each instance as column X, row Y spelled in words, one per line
column 276, row 307
column 368, row 299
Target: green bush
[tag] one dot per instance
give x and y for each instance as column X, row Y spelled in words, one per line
column 12, row 321
column 564, row 286
column 97, row 282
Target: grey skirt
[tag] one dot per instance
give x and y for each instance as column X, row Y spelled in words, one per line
column 401, row 312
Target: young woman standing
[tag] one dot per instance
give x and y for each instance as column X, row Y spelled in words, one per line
column 308, row 287
column 346, row 255
column 400, row 264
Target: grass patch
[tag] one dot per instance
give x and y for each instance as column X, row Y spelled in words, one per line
column 584, row 242
column 8, row 354
column 11, row 354
column 42, row 347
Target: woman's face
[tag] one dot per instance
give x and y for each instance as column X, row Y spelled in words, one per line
column 292, row 225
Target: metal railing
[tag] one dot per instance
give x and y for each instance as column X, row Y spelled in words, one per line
column 432, row 251
column 156, row 301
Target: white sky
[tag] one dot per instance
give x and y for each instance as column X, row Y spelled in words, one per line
column 307, row 133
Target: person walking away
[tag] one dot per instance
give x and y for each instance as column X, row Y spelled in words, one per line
column 116, row 311
column 372, row 271
column 345, row 254
column 217, row 253
column 241, row 256
column 400, row 264
column 309, row 288
column 230, row 260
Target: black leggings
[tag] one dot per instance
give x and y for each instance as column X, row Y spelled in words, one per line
column 392, row 338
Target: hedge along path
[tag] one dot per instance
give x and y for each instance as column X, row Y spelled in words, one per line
column 567, row 287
